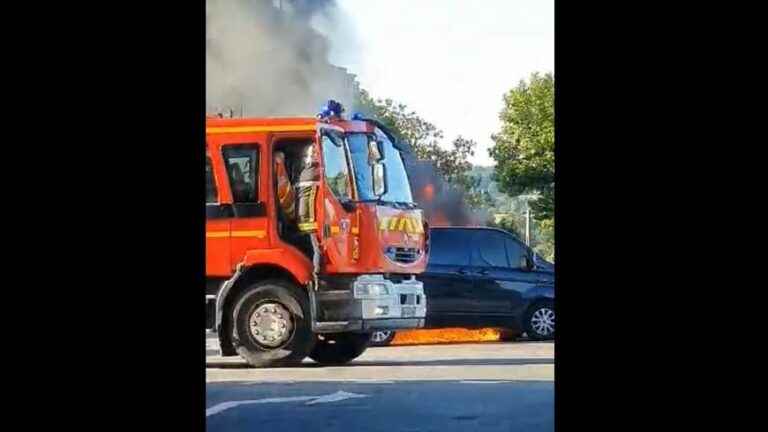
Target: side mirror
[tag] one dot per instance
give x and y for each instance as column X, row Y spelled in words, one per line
column 526, row 263
column 348, row 206
column 379, row 185
column 374, row 153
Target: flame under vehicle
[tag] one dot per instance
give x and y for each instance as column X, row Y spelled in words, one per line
column 313, row 240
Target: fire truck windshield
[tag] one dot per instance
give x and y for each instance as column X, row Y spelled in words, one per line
column 363, row 155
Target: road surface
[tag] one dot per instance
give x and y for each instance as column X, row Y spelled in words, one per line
column 480, row 387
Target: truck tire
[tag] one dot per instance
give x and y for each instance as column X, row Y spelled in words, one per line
column 339, row 348
column 540, row 321
column 272, row 324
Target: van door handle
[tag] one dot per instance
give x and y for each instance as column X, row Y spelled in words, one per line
column 462, row 271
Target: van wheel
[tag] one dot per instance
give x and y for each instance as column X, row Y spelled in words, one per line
column 272, row 324
column 382, row 338
column 339, row 348
column 540, row 320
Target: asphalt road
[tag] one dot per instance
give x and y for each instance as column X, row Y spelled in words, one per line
column 480, row 387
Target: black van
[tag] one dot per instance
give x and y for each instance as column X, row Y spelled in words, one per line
column 486, row 277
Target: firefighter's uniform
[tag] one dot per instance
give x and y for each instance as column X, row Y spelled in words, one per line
column 305, row 191
column 286, row 195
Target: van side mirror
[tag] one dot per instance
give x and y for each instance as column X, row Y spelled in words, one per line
column 526, row 263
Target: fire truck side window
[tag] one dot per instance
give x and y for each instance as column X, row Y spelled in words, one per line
column 211, row 194
column 336, row 170
column 242, row 163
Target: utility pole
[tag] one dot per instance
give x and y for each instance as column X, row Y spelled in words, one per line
column 528, row 226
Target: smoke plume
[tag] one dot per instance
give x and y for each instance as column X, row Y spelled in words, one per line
column 443, row 204
column 267, row 57
column 271, row 58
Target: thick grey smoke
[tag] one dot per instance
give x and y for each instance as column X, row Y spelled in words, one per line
column 266, row 58
column 443, row 204
column 271, row 58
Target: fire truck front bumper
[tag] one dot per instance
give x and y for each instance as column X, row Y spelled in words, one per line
column 368, row 303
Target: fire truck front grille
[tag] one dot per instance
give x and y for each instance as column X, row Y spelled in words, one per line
column 402, row 255
column 410, row 299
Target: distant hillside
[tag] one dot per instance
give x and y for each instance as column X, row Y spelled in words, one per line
column 503, row 202
column 487, row 184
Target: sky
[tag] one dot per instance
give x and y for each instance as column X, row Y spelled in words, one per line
column 451, row 61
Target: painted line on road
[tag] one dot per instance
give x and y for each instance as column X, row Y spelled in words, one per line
column 369, row 381
column 335, row 397
column 311, row 400
column 483, row 382
column 232, row 404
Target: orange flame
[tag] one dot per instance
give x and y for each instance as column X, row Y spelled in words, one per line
column 428, row 192
column 437, row 218
column 447, row 335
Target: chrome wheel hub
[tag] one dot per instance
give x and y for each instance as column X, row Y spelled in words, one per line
column 543, row 321
column 271, row 324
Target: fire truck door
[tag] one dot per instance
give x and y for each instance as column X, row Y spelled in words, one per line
column 248, row 224
column 336, row 223
column 217, row 220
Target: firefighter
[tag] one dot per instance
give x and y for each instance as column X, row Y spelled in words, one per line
column 306, row 189
column 286, row 195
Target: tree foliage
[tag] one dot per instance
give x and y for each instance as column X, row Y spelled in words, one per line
column 406, row 124
column 524, row 149
column 425, row 138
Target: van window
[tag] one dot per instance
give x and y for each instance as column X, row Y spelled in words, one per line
column 447, row 247
column 488, row 249
column 516, row 251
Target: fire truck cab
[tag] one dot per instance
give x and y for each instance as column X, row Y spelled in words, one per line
column 267, row 300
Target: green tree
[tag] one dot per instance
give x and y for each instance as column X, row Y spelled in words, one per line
column 406, row 124
column 512, row 223
column 524, row 148
column 544, row 242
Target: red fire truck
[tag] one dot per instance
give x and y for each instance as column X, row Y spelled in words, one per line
column 302, row 267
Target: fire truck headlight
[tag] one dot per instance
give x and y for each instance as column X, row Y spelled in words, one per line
column 367, row 289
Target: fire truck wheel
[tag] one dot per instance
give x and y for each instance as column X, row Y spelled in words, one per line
column 339, row 348
column 272, row 324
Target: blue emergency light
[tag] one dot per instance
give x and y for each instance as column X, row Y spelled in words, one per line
column 331, row 109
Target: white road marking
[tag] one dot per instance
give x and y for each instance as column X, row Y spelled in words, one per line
column 231, row 404
column 370, row 381
column 333, row 397
column 482, row 382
